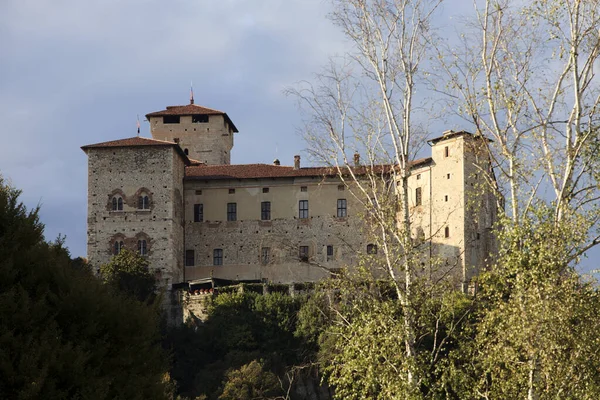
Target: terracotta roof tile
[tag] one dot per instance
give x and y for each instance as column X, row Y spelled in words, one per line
column 245, row 171
column 191, row 109
column 137, row 141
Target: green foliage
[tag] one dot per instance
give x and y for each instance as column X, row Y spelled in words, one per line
column 250, row 382
column 128, row 272
column 62, row 334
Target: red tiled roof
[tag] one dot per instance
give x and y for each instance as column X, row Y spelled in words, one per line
column 137, row 141
column 191, row 109
column 244, row 171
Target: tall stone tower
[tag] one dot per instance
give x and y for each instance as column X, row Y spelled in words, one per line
column 204, row 134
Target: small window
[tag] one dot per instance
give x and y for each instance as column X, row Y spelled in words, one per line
column 446, row 152
column 303, row 209
column 447, row 232
column 304, row 188
column 117, row 247
column 198, row 192
column 265, row 190
column 218, row 257
column 199, row 119
column 371, row 249
column 446, row 198
column 176, row 140
column 142, row 247
column 265, row 210
column 198, row 212
column 231, row 211
column 342, row 211
column 143, row 202
column 190, row 258
column 448, row 176
column 231, row 191
column 418, row 196
column 329, row 253
column 478, row 236
column 418, row 176
column 186, row 152
column 171, row 119
column 117, row 203
column 303, row 253
column 341, row 188
column 265, row 255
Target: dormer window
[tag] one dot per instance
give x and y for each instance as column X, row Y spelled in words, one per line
column 143, row 202
column 171, row 119
column 117, row 203
column 199, row 119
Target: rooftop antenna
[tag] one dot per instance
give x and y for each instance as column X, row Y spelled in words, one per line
column 191, row 93
column 138, row 125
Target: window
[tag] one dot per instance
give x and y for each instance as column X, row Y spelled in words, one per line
column 198, row 192
column 418, row 176
column 142, row 247
column 176, row 140
column 198, row 212
column 118, row 246
column 418, row 196
column 231, row 191
column 265, row 255
column 117, row 203
column 303, row 209
column 304, row 188
column 186, row 152
column 329, row 253
column 171, row 119
column 143, row 202
column 265, row 210
column 446, row 198
column 341, row 188
column 218, row 257
column 190, row 258
column 231, row 211
column 265, row 190
column 371, row 249
column 448, row 176
column 446, row 152
column 342, row 211
column 199, row 118
column 303, row 253
column 447, row 232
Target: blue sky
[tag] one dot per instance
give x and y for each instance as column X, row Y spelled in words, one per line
column 78, row 72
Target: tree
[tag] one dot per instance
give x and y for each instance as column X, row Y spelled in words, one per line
column 62, row 334
column 129, row 273
column 250, row 382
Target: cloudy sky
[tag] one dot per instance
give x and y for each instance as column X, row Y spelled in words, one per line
column 78, row 72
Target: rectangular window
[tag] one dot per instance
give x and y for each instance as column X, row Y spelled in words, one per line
column 189, row 258
column 142, row 247
column 418, row 197
column 303, row 209
column 303, row 188
column 231, row 211
column 341, row 188
column 446, row 198
column 143, row 202
column 265, row 190
column 265, row 210
column 265, row 255
column 329, row 253
column 218, row 257
column 303, row 253
column 171, row 119
column 418, row 176
column 231, row 191
column 198, row 192
column 342, row 211
column 446, row 151
column 447, row 232
column 198, row 212
column 371, row 249
column 199, row 118
column 448, row 176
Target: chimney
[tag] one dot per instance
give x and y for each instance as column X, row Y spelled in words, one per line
column 276, row 162
column 296, row 162
column 356, row 159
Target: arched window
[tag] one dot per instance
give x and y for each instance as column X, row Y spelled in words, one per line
column 143, row 202
column 118, row 246
column 186, row 151
column 142, row 247
column 117, row 203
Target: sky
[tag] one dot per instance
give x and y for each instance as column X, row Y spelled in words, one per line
column 80, row 72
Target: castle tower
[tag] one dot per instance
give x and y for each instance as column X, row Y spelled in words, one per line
column 204, row 134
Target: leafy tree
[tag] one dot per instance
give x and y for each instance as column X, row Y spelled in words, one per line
column 250, row 382
column 129, row 273
column 62, row 333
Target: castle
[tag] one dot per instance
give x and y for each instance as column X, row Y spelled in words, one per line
column 178, row 200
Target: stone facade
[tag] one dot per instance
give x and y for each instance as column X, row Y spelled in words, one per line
column 258, row 222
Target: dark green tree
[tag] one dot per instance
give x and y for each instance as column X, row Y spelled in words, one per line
column 128, row 272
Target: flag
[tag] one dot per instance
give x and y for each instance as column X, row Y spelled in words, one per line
column 138, row 125
column 191, row 93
